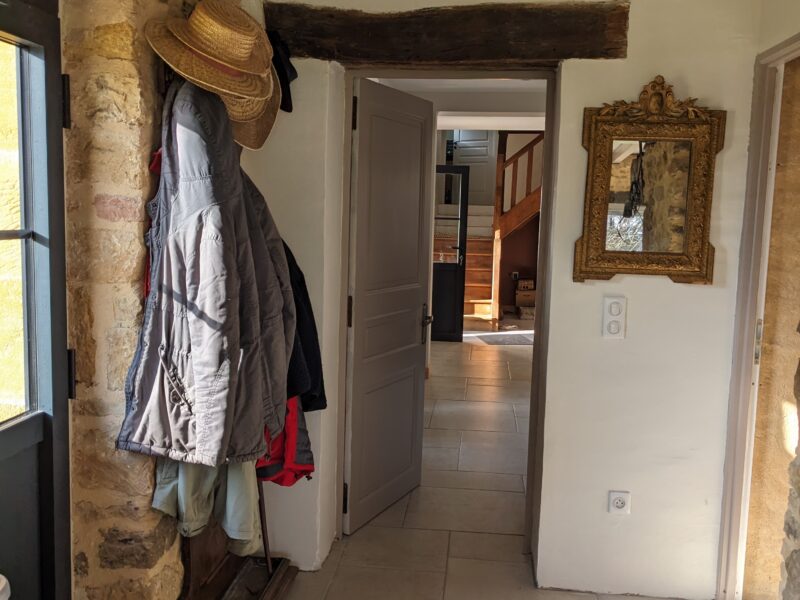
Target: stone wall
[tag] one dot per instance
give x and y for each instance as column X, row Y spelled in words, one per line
column 775, row 477
column 121, row 548
column 666, row 178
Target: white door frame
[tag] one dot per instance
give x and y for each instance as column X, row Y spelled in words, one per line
column 535, row 457
column 754, row 254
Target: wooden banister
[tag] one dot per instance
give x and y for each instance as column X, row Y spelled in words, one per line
column 526, row 153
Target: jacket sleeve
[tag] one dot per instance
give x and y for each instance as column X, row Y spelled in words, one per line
column 213, row 313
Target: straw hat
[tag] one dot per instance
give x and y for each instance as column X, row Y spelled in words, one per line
column 253, row 132
column 220, row 48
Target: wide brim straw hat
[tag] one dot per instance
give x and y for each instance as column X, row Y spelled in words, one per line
column 224, row 32
column 206, row 72
column 252, row 133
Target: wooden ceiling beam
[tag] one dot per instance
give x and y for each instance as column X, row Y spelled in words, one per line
column 481, row 36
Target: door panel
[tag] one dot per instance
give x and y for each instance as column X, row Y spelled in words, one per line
column 390, row 262
column 478, row 150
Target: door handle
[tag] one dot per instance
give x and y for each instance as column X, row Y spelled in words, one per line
column 426, row 321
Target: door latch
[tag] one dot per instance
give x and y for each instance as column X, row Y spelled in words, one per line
column 426, row 321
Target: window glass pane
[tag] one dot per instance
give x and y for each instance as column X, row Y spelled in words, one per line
column 9, row 139
column 12, row 331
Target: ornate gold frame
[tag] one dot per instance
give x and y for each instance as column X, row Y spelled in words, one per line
column 657, row 115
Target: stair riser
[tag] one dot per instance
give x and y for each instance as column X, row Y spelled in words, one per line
column 479, row 277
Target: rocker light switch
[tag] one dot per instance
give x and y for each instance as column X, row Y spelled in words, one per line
column 615, row 316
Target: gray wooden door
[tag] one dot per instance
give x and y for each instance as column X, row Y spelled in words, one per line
column 477, row 149
column 34, row 453
column 390, row 253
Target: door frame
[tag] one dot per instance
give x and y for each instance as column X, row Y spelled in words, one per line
column 540, row 346
column 753, row 259
column 38, row 23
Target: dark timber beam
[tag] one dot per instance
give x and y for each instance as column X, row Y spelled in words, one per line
column 484, row 35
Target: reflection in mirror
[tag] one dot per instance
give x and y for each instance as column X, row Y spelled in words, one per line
column 648, row 196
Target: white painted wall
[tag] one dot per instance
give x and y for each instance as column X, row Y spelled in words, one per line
column 299, row 171
column 646, row 414
column 780, row 20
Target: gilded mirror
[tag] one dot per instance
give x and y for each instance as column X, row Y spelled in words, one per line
column 649, row 187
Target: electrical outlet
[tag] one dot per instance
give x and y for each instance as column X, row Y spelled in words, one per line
column 619, row 503
column 515, row 275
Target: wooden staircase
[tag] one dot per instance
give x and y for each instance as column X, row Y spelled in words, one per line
column 478, row 284
column 516, row 202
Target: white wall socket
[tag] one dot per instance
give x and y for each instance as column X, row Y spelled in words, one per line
column 615, row 317
column 619, row 503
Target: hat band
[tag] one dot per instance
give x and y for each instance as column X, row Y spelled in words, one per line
column 223, row 68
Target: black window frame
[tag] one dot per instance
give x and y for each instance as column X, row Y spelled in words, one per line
column 33, row 25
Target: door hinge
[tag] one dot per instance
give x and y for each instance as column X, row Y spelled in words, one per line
column 759, row 339
column 72, row 380
column 355, row 113
column 345, row 498
column 66, row 110
column 349, row 311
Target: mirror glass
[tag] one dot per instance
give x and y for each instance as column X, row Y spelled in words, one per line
column 648, row 196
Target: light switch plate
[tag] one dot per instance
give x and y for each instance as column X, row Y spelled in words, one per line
column 619, row 503
column 615, row 317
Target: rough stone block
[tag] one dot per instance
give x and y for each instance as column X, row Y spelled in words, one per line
column 121, row 343
column 98, row 465
column 119, row 208
column 137, row 549
column 128, row 305
column 80, row 325
column 105, row 256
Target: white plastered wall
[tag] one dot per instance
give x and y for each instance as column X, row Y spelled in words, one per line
column 299, row 171
column 646, row 414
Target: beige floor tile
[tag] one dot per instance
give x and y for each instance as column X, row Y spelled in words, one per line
column 508, row 353
column 614, row 597
column 488, row 546
column 466, row 510
column 440, row 349
column 473, row 416
column 523, row 425
column 415, row 549
column 520, row 371
column 472, row 481
column 479, row 580
column 522, row 410
column 499, row 393
column 494, row 452
column 470, row 368
column 443, row 459
column 313, row 585
column 370, row 583
column 441, row 438
column 394, row 515
column 518, row 387
column 445, row 388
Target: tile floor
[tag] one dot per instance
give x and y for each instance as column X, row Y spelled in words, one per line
column 459, row 535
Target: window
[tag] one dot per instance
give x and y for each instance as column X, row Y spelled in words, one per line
column 13, row 243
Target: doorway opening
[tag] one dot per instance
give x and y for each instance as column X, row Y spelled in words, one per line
column 448, row 179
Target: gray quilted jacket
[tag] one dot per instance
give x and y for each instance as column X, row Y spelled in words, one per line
column 210, row 367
